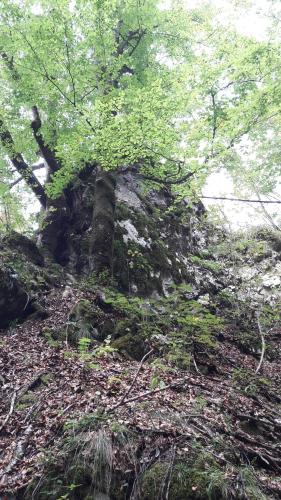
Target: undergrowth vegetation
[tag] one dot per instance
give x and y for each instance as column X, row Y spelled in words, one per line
column 99, row 456
column 124, row 450
column 174, row 326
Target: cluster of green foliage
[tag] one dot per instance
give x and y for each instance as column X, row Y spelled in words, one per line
column 211, row 265
column 11, row 216
column 90, row 353
column 250, row 383
column 82, row 467
column 123, row 82
column 175, row 326
column 201, row 478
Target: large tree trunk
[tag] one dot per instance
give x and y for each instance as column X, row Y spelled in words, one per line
column 81, row 222
column 102, row 237
column 54, row 235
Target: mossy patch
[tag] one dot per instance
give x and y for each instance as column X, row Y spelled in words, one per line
column 130, row 345
column 201, row 480
column 173, row 325
column 211, row 265
column 86, row 320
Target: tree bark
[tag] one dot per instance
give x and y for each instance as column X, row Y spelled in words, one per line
column 101, row 244
column 54, row 235
column 45, row 150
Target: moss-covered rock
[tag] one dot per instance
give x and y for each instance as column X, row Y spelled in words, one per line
column 131, row 345
column 14, row 299
column 153, row 236
column 86, row 320
column 23, row 245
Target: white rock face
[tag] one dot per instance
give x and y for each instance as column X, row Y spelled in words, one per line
column 166, row 283
column 132, row 234
column 129, row 197
column 260, row 281
column 204, row 299
column 273, row 278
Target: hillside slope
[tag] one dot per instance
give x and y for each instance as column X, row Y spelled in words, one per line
column 168, row 390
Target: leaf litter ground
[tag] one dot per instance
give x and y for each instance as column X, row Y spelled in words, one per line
column 44, row 386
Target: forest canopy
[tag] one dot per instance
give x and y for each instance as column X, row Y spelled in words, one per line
column 171, row 92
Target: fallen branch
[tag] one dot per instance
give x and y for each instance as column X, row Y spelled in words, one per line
column 36, row 380
column 196, row 366
column 144, row 395
column 34, row 408
column 262, row 343
column 12, row 405
column 19, row 449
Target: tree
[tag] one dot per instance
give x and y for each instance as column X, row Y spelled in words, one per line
column 102, row 87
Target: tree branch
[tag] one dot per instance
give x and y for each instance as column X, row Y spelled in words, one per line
column 167, row 182
column 214, row 106
column 68, row 65
column 125, row 44
column 9, row 62
column 39, row 166
column 239, row 199
column 45, row 150
column 20, row 165
column 267, row 214
column 44, row 72
column 19, row 179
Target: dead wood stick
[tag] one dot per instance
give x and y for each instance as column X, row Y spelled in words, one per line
column 31, row 384
column 143, row 395
column 262, row 342
column 19, row 449
column 67, row 408
column 196, row 366
column 34, row 408
column 265, row 458
column 136, row 376
column 12, row 405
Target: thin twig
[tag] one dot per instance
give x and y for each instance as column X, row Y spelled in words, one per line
column 67, row 408
column 33, row 168
column 167, row 181
column 68, row 65
column 136, row 376
column 196, row 366
column 262, row 342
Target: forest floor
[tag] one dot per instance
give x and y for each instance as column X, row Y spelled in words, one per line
column 45, row 387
